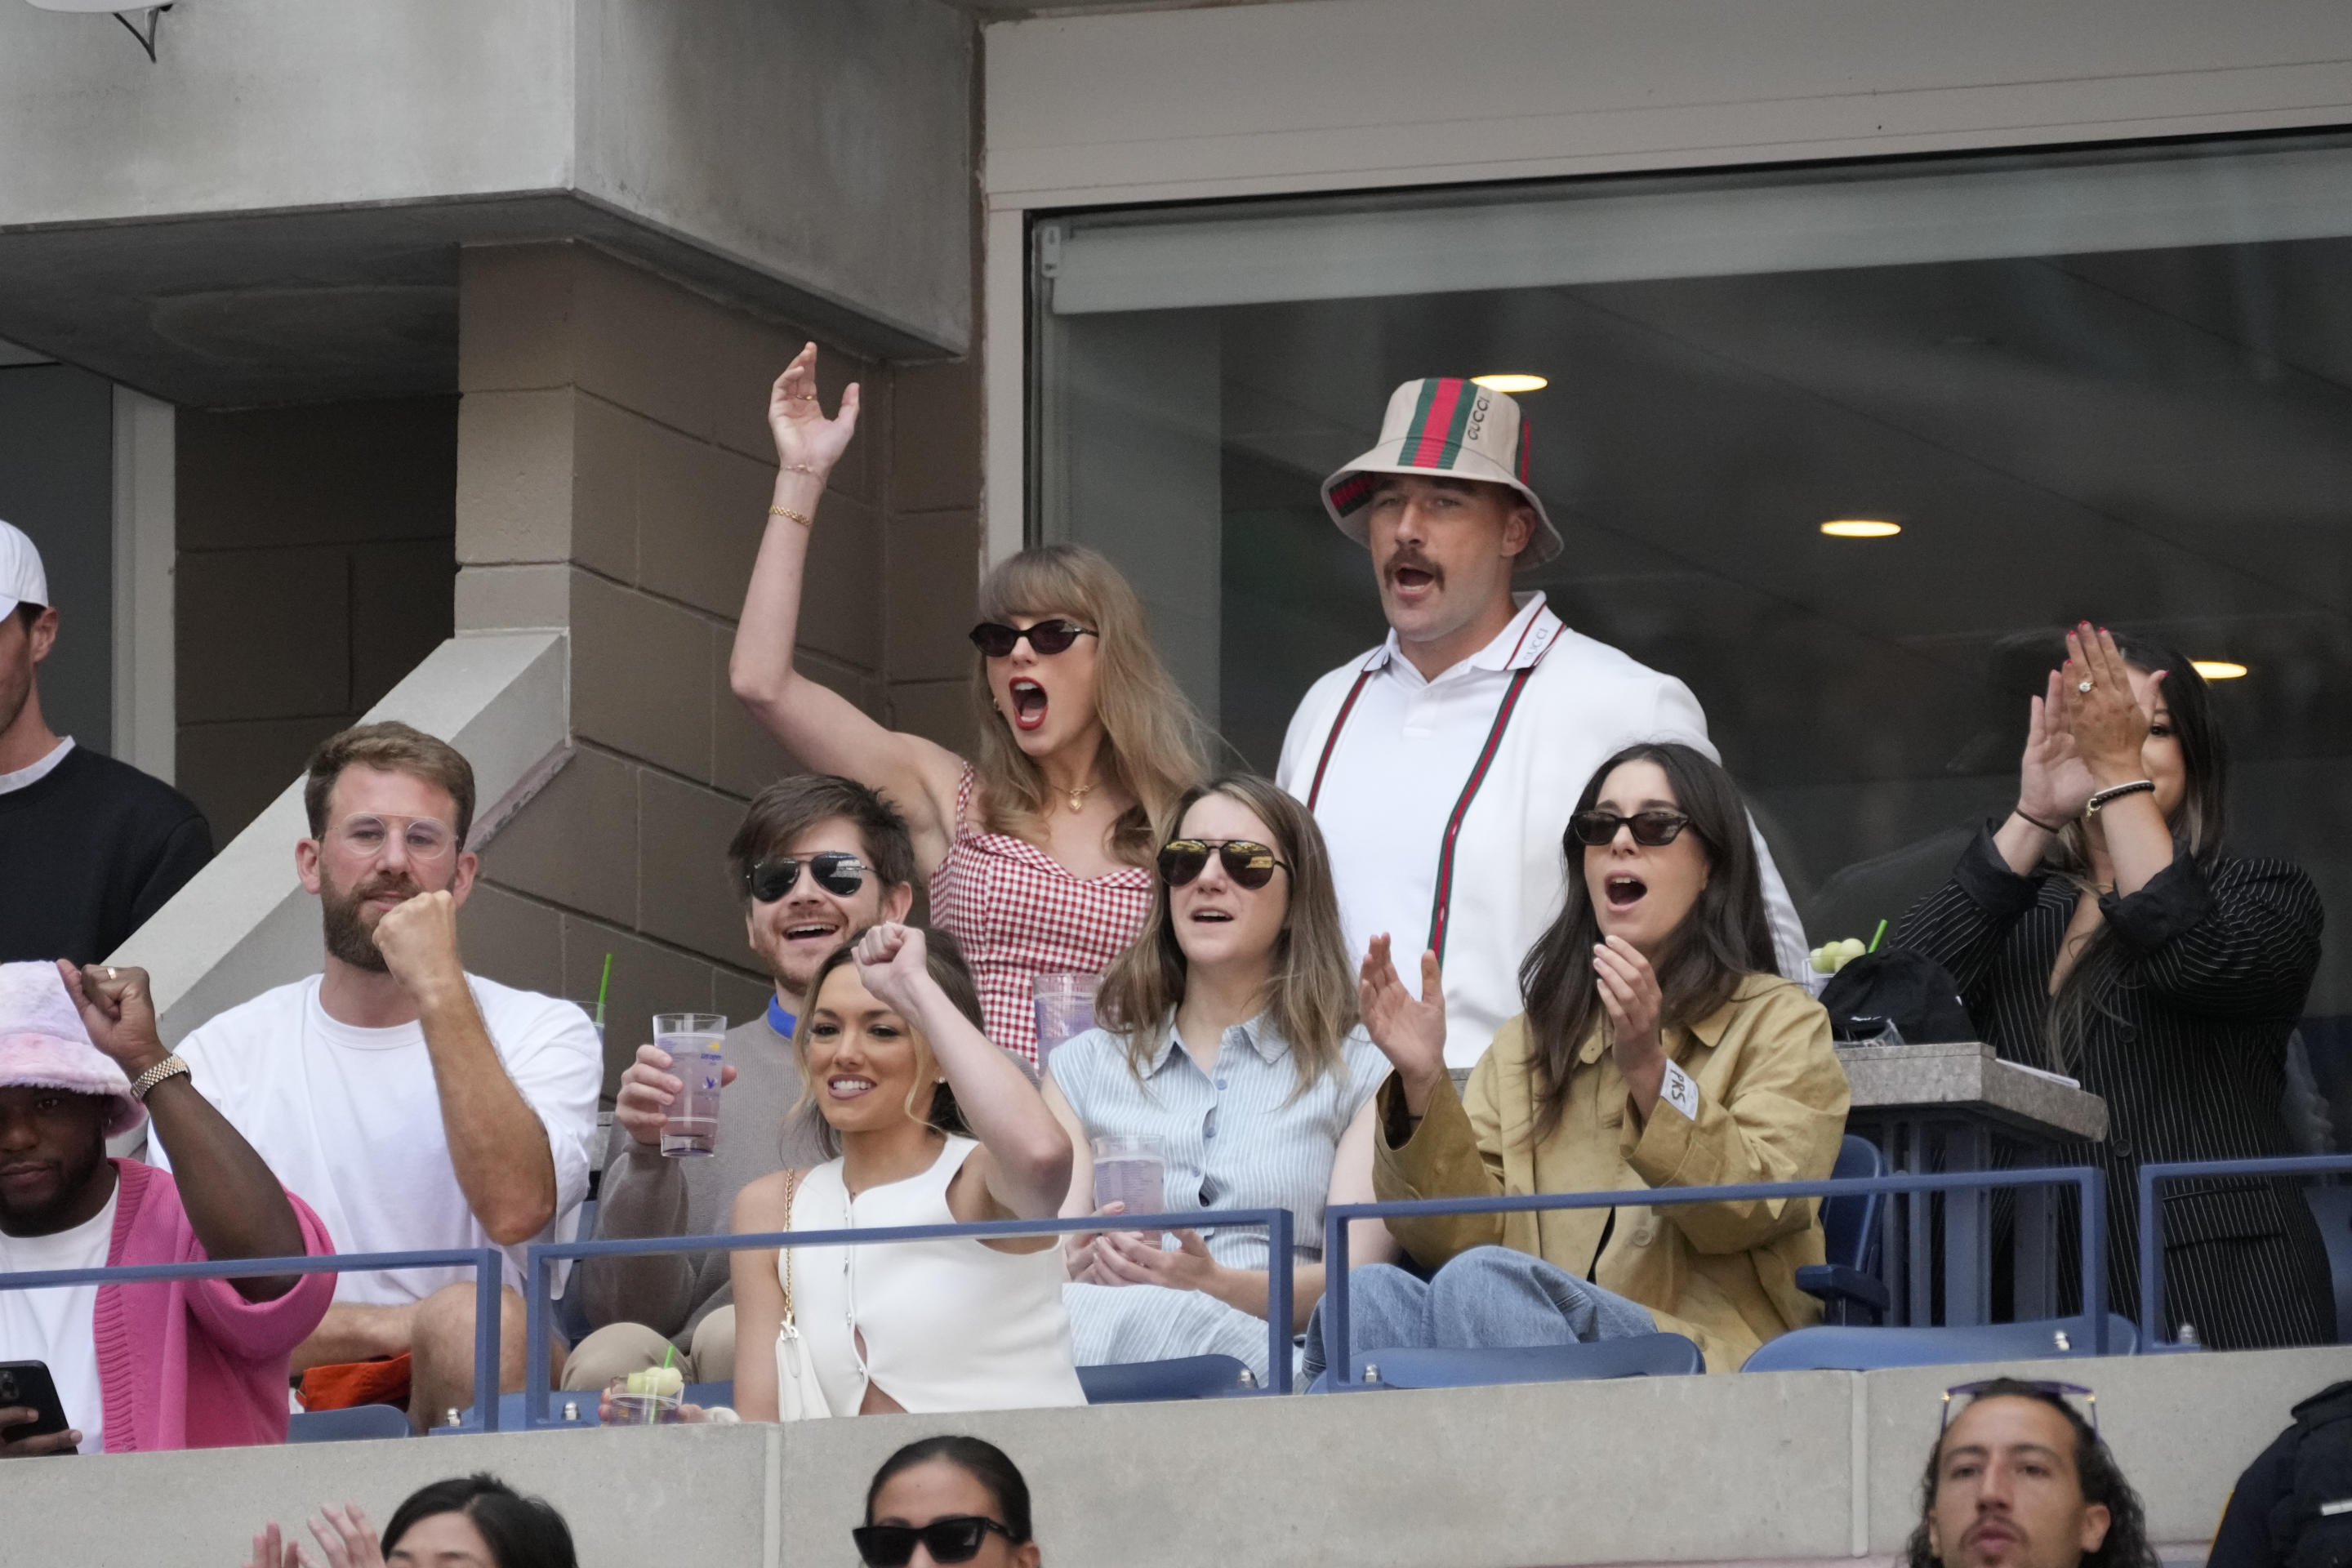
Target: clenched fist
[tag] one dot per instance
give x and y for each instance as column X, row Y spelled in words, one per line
column 418, row 940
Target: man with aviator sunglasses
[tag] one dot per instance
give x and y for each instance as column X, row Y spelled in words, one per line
column 2020, row 1478
column 816, row 860
column 1441, row 766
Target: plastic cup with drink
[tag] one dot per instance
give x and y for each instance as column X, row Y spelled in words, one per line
column 1065, row 1009
column 692, row 1041
column 1133, row 1169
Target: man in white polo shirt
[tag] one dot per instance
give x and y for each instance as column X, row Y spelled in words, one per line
column 1444, row 764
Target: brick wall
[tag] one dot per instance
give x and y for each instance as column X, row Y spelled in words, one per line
column 316, row 554
column 613, row 477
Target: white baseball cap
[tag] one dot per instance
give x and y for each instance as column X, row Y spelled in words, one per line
column 22, row 580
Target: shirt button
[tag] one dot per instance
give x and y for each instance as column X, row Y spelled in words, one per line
column 1221, row 1083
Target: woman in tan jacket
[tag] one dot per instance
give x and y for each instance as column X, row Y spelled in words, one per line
column 1657, row 1049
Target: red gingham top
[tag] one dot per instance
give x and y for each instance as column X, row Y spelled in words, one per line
column 1018, row 913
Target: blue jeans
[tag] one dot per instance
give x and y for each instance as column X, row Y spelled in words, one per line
column 1487, row 1296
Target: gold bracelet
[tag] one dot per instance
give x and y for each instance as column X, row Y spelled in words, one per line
column 799, row 469
column 170, row 1066
column 801, row 517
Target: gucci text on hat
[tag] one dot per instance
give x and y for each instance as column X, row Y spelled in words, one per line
column 1445, row 426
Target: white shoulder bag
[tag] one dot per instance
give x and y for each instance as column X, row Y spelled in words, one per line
column 799, row 1395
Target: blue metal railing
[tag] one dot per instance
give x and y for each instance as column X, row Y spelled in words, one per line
column 2090, row 1181
column 1278, row 1225
column 2151, row 1215
column 485, row 1261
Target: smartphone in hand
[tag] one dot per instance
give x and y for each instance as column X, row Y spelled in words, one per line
column 28, row 1383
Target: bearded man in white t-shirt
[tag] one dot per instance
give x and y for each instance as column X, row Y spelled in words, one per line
column 413, row 1105
column 1443, row 766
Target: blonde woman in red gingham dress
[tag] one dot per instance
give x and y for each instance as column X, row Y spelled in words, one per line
column 1038, row 849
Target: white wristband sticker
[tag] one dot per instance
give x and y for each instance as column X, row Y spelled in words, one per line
column 1680, row 1093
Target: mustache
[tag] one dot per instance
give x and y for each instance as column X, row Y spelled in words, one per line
column 1409, row 556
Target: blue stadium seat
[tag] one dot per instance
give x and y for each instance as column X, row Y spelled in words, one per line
column 710, row 1393
column 1848, row 1284
column 1869, row 1348
column 1641, row 1355
column 2332, row 1207
column 1182, row 1377
column 345, row 1426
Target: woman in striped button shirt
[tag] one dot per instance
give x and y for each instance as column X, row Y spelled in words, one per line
column 2099, row 930
column 1230, row 1036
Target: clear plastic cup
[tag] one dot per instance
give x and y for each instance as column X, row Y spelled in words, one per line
column 643, row 1409
column 1065, row 1009
column 693, row 1041
column 1133, row 1169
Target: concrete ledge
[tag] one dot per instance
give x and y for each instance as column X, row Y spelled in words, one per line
column 245, row 924
column 1793, row 1467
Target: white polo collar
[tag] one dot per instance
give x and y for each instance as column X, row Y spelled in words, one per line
column 1520, row 644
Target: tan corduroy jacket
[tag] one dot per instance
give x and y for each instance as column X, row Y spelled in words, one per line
column 1772, row 1105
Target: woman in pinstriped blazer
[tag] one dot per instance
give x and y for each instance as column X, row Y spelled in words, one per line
column 2099, row 930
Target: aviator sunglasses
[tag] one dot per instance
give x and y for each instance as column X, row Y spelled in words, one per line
column 1046, row 638
column 1249, row 863
column 837, row 872
column 1651, row 828
column 1972, row 1391
column 955, row 1539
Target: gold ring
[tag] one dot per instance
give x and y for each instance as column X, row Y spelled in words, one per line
column 110, row 971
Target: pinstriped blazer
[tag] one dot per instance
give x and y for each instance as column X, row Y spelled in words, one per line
column 2190, row 1048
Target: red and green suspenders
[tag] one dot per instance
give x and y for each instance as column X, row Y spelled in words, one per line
column 1440, row 905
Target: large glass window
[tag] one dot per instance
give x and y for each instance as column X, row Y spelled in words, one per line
column 2115, row 384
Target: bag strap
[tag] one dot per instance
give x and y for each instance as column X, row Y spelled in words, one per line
column 792, row 1196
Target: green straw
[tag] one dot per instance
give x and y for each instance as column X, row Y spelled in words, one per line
column 604, row 985
column 1874, row 947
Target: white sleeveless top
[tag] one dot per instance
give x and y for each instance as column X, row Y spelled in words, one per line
column 949, row 1324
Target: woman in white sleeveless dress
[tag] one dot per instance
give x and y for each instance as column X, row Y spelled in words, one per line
column 935, row 1126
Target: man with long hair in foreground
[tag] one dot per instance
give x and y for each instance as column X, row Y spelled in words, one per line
column 2018, row 1479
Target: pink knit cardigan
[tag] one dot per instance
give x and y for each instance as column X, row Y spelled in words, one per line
column 190, row 1363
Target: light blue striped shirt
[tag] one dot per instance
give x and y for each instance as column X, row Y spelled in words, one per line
column 1236, row 1138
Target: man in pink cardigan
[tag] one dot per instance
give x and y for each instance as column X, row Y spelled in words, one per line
column 180, row 1363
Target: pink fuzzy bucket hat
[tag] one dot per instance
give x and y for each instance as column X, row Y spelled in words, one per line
column 43, row 1044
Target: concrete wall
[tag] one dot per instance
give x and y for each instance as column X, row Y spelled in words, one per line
column 614, row 472
column 266, row 212
column 316, row 558
column 1812, row 1468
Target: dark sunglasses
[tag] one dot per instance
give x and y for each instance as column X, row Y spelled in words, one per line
column 1651, row 828
column 1249, row 863
column 1046, row 638
column 955, row 1539
column 1971, row 1390
column 836, row 872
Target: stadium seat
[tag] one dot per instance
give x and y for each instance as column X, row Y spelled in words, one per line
column 2332, row 1207
column 1869, row 1348
column 1642, row 1355
column 345, row 1426
column 1848, row 1284
column 1181, row 1377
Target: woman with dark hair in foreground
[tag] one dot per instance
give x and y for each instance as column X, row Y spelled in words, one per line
column 960, row 1498
column 473, row 1521
column 1658, row 1048
column 2100, row 931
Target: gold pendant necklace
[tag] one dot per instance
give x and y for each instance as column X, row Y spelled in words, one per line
column 1078, row 793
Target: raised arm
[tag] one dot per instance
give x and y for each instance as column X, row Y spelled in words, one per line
column 505, row 1164
column 1023, row 1163
column 826, row 731
column 233, row 1203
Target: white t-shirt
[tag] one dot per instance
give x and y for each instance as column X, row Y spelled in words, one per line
column 59, row 1326
column 350, row 1120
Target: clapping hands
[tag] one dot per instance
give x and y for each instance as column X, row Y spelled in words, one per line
column 344, row 1534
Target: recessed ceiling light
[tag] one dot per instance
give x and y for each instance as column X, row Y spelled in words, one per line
column 2217, row 668
column 1512, row 383
column 1861, row 528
